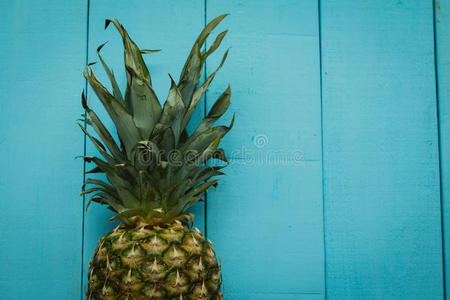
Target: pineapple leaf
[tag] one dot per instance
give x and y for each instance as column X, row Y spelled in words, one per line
column 145, row 51
column 216, row 43
column 170, row 116
column 89, row 191
column 119, row 179
column 144, row 154
column 198, row 143
column 108, row 188
column 155, row 170
column 202, row 188
column 219, row 108
column 220, row 154
column 188, row 203
column 205, row 155
column 95, row 198
column 166, row 141
column 128, row 213
column 101, row 130
column 200, row 91
column 145, row 105
column 190, row 183
column 105, row 198
column 193, row 67
column 140, row 98
column 99, row 200
column 94, row 170
column 98, row 145
column 132, row 54
column 116, row 90
column 128, row 133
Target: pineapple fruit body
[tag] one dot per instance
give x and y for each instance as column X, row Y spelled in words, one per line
column 174, row 262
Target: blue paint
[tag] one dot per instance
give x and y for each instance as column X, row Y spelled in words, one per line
column 42, row 59
column 379, row 161
column 381, row 166
column 265, row 218
column 442, row 39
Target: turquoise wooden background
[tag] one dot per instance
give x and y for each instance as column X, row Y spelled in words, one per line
column 339, row 184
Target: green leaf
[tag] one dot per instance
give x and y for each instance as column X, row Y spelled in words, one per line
column 126, row 129
column 199, row 92
column 189, row 171
column 202, row 188
column 192, row 180
column 208, row 152
column 132, row 54
column 193, row 67
column 171, row 195
column 220, row 154
column 92, row 190
column 101, row 130
column 95, row 198
column 142, row 191
column 121, row 181
column 145, row 51
column 128, row 213
column 144, row 154
column 218, row 109
column 188, row 203
column 145, row 105
column 94, row 170
column 171, row 114
column 216, row 43
column 140, row 98
column 108, row 188
column 98, row 145
column 116, row 90
column 197, row 144
column 104, row 198
column 167, row 141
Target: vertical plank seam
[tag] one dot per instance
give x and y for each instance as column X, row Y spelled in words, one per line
column 84, row 154
column 436, row 74
column 205, row 213
column 319, row 16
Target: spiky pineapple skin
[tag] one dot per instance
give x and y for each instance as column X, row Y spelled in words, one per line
column 173, row 262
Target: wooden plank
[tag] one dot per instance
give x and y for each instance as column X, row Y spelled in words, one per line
column 265, row 219
column 382, row 203
column 43, row 53
column 442, row 26
column 168, row 25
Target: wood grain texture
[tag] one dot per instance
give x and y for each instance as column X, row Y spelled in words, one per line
column 265, row 218
column 171, row 26
column 382, row 203
column 442, row 26
column 43, row 53
column 380, row 142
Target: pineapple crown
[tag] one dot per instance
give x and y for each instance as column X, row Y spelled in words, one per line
column 158, row 171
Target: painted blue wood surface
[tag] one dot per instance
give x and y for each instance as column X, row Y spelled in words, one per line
column 381, row 169
column 442, row 25
column 380, row 142
column 265, row 218
column 171, row 26
column 43, row 55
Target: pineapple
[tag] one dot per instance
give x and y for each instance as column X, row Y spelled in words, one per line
column 154, row 174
